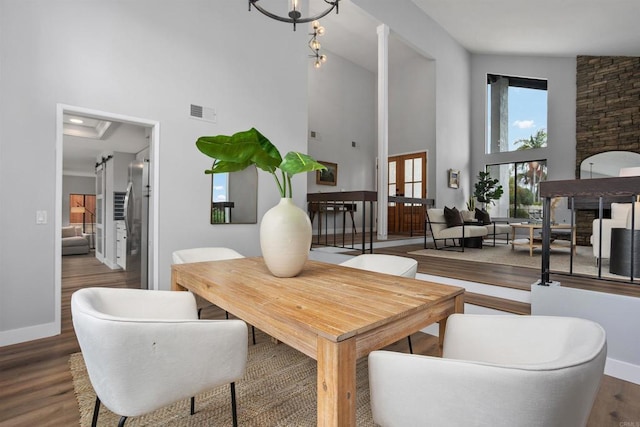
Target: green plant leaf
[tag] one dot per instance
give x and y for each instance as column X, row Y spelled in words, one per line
column 221, row 166
column 295, row 162
column 242, row 149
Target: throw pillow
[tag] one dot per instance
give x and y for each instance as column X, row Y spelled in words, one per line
column 68, row 231
column 452, row 217
column 483, row 216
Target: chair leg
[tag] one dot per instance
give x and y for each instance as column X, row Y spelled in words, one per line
column 234, row 411
column 96, row 409
column 410, row 346
column 193, row 405
column 122, row 420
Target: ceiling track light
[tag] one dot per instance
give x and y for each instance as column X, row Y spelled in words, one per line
column 315, row 46
column 294, row 15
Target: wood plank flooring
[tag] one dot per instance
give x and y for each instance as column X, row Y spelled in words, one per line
column 36, row 387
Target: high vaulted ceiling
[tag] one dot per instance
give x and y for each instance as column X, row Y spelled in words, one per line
column 510, row 27
column 540, row 27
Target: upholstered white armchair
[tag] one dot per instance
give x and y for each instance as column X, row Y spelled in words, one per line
column 388, row 264
column 183, row 256
column 495, row 371
column 620, row 218
column 147, row 349
column 381, row 263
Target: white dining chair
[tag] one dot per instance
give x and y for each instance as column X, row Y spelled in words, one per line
column 204, row 254
column 495, row 370
column 387, row 264
column 147, row 349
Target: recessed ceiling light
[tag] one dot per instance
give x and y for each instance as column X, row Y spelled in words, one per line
column 76, row 121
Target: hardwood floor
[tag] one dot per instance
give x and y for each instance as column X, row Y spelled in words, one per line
column 36, row 387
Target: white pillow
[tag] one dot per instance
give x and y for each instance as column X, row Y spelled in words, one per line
column 636, row 213
column 620, row 210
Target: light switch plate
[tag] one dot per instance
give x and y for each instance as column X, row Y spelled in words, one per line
column 41, row 217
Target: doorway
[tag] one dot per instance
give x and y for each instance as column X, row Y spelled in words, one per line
column 152, row 127
column 407, row 178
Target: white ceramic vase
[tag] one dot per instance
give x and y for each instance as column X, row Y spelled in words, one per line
column 285, row 238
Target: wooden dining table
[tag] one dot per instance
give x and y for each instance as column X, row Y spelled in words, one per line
column 331, row 313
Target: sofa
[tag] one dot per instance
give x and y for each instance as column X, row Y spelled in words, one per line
column 74, row 242
column 443, row 229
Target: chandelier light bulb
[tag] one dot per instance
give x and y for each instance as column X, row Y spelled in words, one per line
column 315, row 45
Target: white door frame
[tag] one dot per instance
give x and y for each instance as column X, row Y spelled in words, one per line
column 154, row 140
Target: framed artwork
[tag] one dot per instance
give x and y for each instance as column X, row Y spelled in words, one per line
column 328, row 176
column 454, row 178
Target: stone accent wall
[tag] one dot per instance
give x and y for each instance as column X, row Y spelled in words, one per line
column 607, row 105
column 607, row 114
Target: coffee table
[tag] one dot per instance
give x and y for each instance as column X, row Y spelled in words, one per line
column 534, row 243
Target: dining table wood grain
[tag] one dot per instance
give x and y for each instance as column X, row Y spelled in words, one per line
column 332, row 313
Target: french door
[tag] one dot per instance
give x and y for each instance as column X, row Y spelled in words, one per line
column 407, row 178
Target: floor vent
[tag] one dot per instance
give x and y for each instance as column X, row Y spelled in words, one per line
column 203, row 113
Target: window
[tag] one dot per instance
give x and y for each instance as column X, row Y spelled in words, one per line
column 516, row 113
column 82, row 209
column 523, row 181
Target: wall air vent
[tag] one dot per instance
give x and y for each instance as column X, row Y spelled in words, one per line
column 203, row 113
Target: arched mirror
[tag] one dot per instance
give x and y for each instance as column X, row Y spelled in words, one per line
column 608, row 164
column 234, row 197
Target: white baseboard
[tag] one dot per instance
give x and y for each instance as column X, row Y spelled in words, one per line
column 15, row 336
column 622, row 370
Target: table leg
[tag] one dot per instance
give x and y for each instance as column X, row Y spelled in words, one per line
column 458, row 307
column 174, row 282
column 336, row 383
column 530, row 241
column 513, row 236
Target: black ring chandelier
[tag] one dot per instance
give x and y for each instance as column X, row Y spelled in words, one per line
column 295, row 16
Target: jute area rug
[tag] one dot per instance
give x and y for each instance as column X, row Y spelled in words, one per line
column 583, row 260
column 278, row 389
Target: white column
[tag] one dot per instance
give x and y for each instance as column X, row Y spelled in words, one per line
column 383, row 129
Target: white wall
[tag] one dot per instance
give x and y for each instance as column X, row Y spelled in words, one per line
column 342, row 109
column 412, row 115
column 147, row 59
column 619, row 315
column 452, row 90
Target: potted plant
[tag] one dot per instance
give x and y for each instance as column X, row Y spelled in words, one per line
column 487, row 189
column 285, row 229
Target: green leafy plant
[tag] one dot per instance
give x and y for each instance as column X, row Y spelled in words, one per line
column 487, row 189
column 471, row 203
column 243, row 149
